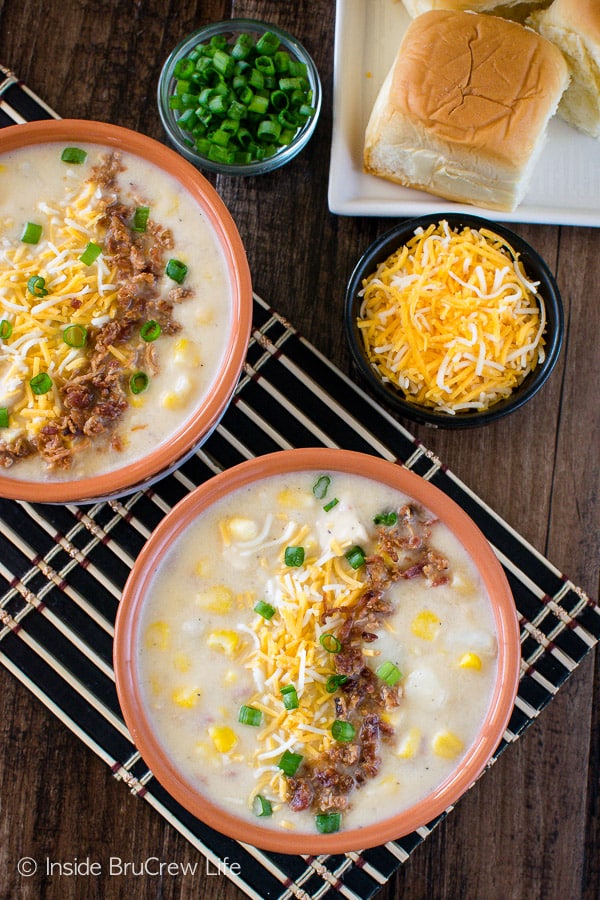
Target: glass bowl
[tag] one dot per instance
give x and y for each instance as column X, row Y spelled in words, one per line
column 393, row 397
column 230, row 29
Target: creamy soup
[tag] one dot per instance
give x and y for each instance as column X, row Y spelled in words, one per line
column 115, row 309
column 317, row 651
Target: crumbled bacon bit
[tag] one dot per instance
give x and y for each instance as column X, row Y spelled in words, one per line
column 96, row 398
column 403, row 551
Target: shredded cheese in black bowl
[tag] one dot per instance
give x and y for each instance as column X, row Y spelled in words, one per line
column 453, row 320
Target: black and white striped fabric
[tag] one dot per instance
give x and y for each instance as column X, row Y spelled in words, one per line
column 62, row 569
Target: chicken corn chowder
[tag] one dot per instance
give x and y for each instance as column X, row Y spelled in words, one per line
column 316, row 650
column 115, row 309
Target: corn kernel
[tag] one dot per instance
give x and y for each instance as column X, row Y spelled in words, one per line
column 186, row 697
column 242, row 529
column 224, row 532
column 201, row 567
column 447, row 744
column 294, row 499
column 170, row 400
column 426, row 625
column 463, row 585
column 177, row 398
column 185, row 352
column 225, row 641
column 470, row 661
column 156, row 685
column 182, row 662
column 158, row 636
column 205, row 316
column 223, row 737
column 204, row 750
column 409, row 746
column 216, row 599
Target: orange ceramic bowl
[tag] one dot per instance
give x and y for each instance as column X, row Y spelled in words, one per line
column 169, row 453
column 128, row 641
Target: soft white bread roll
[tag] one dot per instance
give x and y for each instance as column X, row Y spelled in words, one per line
column 416, row 7
column 463, row 111
column 574, row 26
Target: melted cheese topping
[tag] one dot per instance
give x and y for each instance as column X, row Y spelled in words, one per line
column 78, row 294
column 451, row 320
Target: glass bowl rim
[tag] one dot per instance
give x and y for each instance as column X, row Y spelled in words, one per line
column 259, row 167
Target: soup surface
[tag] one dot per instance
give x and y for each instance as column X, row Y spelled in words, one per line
column 316, row 650
column 115, row 309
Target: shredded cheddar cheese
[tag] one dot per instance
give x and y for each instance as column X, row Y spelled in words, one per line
column 285, row 650
column 451, row 319
column 77, row 294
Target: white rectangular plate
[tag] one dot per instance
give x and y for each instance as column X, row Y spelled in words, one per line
column 565, row 188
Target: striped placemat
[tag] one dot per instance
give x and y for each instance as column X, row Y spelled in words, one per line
column 62, row 569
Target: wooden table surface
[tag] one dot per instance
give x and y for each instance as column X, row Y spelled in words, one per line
column 531, row 827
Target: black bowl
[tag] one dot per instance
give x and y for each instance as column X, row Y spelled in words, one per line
column 535, row 269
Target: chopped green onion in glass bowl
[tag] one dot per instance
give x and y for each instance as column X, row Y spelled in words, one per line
column 239, row 97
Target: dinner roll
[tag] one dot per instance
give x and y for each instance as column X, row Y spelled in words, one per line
column 464, row 108
column 574, row 26
column 509, row 8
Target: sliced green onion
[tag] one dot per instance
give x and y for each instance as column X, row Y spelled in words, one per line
column 355, row 556
column 176, row 270
column 242, row 47
column 294, row 556
column 249, row 715
column 321, row 486
column 224, row 63
column 389, row 518
column 290, row 762
column 342, row 730
column 140, row 218
column 37, row 286
column 330, row 643
column 90, row 254
column 241, row 79
column 282, row 61
column 150, row 331
column 258, row 105
column 267, row 44
column 389, row 673
column 5, row 329
column 328, row 823
column 75, row 336
column 41, row 384
column 329, row 506
column 268, row 131
column 73, row 155
column 3, row 417
column 138, row 382
column 264, row 609
column 290, row 697
column 261, row 806
column 334, row 681
column 31, row 233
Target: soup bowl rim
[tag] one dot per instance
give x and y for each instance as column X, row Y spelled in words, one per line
column 199, row 424
column 183, row 515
